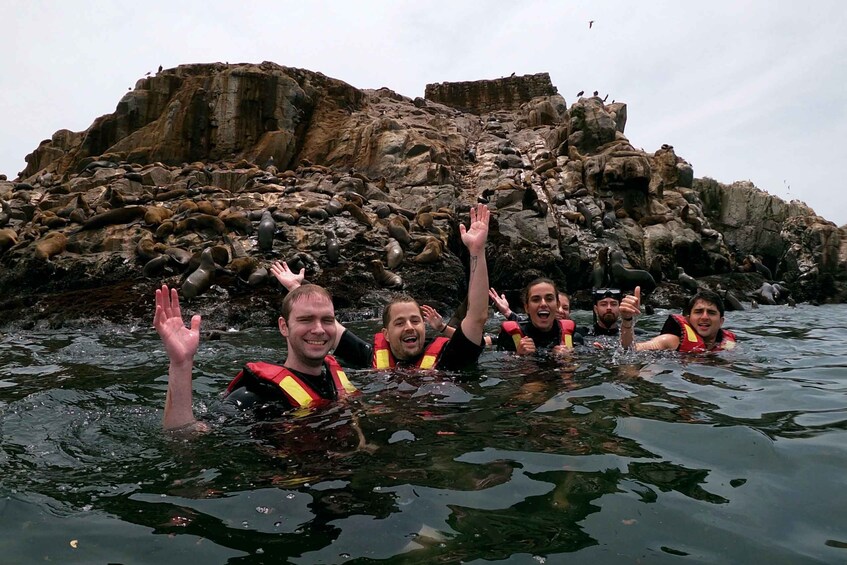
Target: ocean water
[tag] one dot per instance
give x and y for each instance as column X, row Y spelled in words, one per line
column 606, row 457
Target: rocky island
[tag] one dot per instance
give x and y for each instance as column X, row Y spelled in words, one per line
column 206, row 173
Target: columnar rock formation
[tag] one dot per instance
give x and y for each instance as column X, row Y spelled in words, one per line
column 483, row 96
column 255, row 163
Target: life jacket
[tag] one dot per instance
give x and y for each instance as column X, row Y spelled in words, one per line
column 692, row 342
column 384, row 359
column 566, row 332
column 298, row 393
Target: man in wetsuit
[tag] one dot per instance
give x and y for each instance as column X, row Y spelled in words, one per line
column 402, row 341
column 606, row 313
column 307, row 375
column 700, row 328
column 544, row 331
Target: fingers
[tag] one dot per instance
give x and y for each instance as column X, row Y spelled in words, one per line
column 638, row 294
column 195, row 323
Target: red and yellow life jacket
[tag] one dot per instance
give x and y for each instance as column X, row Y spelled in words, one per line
column 566, row 332
column 384, row 359
column 298, row 393
column 691, row 342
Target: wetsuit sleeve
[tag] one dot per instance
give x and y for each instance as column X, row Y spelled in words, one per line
column 512, row 317
column 459, row 352
column 672, row 327
column 354, row 352
column 578, row 338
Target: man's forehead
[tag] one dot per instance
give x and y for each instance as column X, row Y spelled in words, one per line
column 311, row 303
column 704, row 304
column 404, row 309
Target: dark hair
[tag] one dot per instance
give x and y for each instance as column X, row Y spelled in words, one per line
column 302, row 291
column 396, row 299
column 599, row 294
column 539, row 280
column 705, row 296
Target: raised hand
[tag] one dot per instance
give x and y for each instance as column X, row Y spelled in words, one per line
column 475, row 237
column 286, row 277
column 631, row 305
column 180, row 342
column 500, row 302
column 433, row 318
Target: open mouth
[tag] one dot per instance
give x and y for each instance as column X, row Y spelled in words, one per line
column 544, row 314
column 413, row 338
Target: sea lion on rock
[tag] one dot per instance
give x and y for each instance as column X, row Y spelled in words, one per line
column 383, row 277
column 627, row 279
column 358, row 214
column 730, row 300
column 51, row 245
column 8, row 238
column 394, row 253
column 609, row 217
column 767, row 293
column 598, row 272
column 155, row 266
column 333, row 252
column 258, row 276
column 237, row 220
column 155, row 215
column 200, row 280
column 760, row 267
column 112, row 217
column 686, row 281
column 431, row 252
column 147, row 248
column 266, row 232
column 399, row 230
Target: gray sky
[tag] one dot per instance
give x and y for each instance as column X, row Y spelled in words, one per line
column 743, row 90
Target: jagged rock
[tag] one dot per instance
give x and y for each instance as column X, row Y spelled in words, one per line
column 182, row 166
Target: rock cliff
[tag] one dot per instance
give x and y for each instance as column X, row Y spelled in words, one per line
column 262, row 162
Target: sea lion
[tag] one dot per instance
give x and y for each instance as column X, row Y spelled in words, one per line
column 753, row 303
column 394, row 253
column 112, row 217
column 171, row 194
column 266, row 232
column 767, row 293
column 358, row 214
column 628, row 279
column 179, row 257
column 791, row 302
column 334, row 206
column 237, row 220
column 155, row 266
column 258, row 276
column 424, row 220
column 383, row 277
column 656, row 269
column 574, row 217
column 209, row 222
column 51, row 245
column 165, row 229
column 333, row 252
column 155, row 215
column 598, row 272
column 431, row 252
column 686, row 281
column 382, row 210
column 609, row 216
column 782, row 291
column 399, row 230
column 201, row 278
column 146, row 248
column 760, row 267
column 8, row 238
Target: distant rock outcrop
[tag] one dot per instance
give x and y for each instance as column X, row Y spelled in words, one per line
column 255, row 163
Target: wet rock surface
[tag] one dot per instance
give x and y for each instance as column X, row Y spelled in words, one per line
column 259, row 163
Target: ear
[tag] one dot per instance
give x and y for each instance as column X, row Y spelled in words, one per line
column 283, row 327
column 385, row 332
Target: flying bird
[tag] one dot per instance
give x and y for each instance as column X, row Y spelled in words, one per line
column 590, row 23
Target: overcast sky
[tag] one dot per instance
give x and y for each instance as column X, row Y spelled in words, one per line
column 743, row 90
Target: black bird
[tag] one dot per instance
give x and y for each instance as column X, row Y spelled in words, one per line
column 160, row 68
column 590, row 23
column 596, row 93
column 605, row 98
column 580, row 93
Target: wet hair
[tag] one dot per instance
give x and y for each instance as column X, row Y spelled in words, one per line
column 705, row 296
column 539, row 280
column 396, row 299
column 299, row 293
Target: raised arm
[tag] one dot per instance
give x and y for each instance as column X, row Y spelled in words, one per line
column 500, row 302
column 181, row 345
column 436, row 321
column 291, row 280
column 474, row 239
column 630, row 308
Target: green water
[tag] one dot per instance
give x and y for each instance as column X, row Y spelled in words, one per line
column 608, row 458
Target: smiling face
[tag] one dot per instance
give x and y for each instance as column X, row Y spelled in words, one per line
column 564, row 311
column 607, row 311
column 405, row 330
column 541, row 305
column 310, row 332
column 706, row 319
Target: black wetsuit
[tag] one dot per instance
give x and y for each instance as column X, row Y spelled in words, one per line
column 458, row 353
